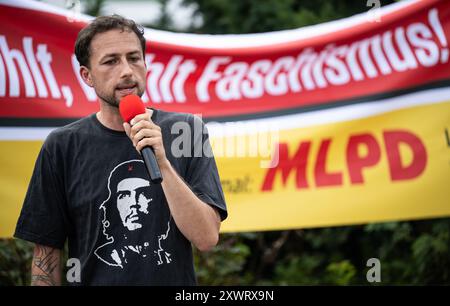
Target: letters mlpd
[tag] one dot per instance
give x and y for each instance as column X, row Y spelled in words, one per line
column 398, row 169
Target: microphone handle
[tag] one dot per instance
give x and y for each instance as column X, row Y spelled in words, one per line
column 152, row 165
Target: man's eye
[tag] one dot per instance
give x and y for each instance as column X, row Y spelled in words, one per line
column 122, row 195
column 110, row 62
column 134, row 59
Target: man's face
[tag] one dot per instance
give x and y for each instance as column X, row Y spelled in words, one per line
column 132, row 201
column 117, row 66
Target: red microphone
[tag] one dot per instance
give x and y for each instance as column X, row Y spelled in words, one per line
column 129, row 107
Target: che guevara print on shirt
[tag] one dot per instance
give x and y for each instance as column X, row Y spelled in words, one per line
column 136, row 222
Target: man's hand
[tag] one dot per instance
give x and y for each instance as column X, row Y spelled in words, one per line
column 46, row 266
column 198, row 221
column 143, row 132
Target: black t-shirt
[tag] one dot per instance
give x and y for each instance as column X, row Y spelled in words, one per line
column 90, row 186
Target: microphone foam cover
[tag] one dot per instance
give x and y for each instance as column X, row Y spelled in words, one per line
column 130, row 106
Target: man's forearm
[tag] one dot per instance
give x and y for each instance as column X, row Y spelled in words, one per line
column 46, row 266
column 198, row 221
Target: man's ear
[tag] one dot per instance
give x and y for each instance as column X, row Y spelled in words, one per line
column 86, row 76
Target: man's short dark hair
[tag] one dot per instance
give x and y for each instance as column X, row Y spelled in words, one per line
column 103, row 24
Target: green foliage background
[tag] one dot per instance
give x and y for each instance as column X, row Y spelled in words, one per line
column 413, row 252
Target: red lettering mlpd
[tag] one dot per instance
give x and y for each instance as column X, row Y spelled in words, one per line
column 356, row 162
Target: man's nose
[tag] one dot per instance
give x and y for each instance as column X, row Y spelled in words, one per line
column 134, row 200
column 126, row 70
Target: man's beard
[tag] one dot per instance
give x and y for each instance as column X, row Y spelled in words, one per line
column 135, row 237
column 112, row 101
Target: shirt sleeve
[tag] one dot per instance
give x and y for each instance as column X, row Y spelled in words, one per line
column 42, row 218
column 202, row 174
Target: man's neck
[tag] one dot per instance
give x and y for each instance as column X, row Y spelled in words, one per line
column 110, row 117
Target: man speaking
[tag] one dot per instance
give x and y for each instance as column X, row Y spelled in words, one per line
column 90, row 187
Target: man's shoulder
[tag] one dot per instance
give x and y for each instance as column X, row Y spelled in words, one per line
column 63, row 132
column 173, row 117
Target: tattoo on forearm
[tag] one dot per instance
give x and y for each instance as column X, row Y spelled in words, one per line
column 42, row 280
column 46, row 261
